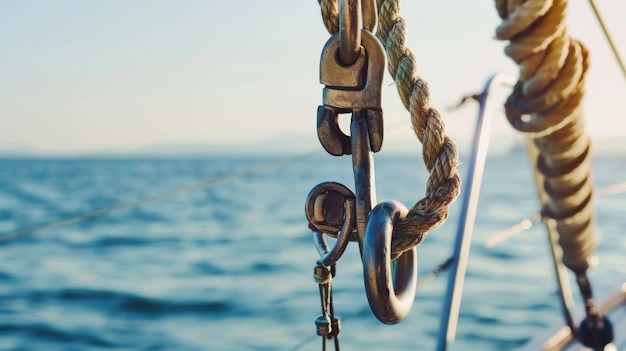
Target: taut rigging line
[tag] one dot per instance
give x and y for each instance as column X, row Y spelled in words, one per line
column 194, row 187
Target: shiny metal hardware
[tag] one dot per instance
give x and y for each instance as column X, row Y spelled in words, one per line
column 363, row 170
column 337, row 204
column 352, row 74
column 337, row 143
column 337, row 75
column 351, row 89
column 349, row 31
column 337, row 209
column 390, row 300
column 323, row 325
column 326, row 324
column 334, row 141
column 369, row 95
column 354, row 15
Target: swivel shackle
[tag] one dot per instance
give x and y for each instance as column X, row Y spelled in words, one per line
column 350, row 89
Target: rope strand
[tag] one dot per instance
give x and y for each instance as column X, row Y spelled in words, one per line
column 330, row 14
column 546, row 103
column 439, row 150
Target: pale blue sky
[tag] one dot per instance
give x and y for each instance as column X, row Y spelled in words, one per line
column 88, row 75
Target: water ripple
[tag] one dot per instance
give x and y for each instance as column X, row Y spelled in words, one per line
column 6, row 277
column 45, row 332
column 121, row 302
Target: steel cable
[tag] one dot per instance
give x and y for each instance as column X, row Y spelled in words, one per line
column 202, row 185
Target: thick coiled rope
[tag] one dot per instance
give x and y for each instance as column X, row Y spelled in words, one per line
column 547, row 104
column 439, row 150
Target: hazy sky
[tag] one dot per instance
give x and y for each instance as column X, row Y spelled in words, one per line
column 85, row 75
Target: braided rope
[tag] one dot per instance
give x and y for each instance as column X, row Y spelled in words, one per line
column 330, row 14
column 439, row 150
column 546, row 103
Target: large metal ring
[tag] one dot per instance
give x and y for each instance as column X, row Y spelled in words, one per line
column 390, row 300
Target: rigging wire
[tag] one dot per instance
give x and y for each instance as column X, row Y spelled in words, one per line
column 202, row 185
column 529, row 222
column 211, row 182
column 609, row 38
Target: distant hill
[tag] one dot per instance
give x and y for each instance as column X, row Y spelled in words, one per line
column 288, row 144
column 17, row 151
column 278, row 145
column 294, row 144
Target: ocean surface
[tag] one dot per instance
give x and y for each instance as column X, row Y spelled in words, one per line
column 229, row 267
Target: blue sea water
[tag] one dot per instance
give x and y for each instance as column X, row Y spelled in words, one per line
column 230, row 267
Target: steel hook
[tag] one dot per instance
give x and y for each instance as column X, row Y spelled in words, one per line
column 390, row 299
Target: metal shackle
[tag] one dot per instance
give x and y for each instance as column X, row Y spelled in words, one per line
column 336, row 142
column 390, row 300
column 357, row 86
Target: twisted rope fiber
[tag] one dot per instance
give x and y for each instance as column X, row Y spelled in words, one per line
column 439, row 151
column 546, row 103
